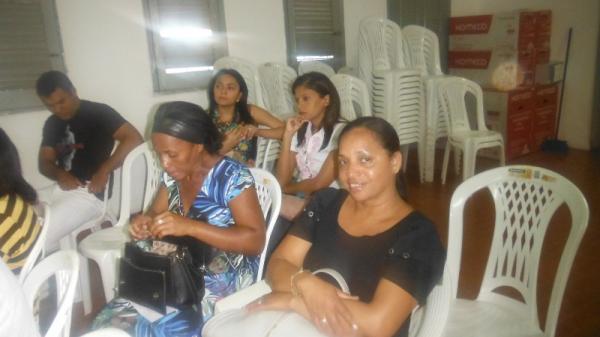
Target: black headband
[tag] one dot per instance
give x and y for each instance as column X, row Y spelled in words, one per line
column 178, row 129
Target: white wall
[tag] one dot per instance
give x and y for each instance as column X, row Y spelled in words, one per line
column 106, row 54
column 582, row 15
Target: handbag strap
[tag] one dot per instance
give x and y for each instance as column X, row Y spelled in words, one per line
column 336, row 276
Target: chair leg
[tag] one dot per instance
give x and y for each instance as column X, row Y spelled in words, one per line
column 502, row 155
column 469, row 158
column 457, row 160
column 445, row 163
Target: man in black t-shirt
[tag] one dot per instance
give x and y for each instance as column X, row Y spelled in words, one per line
column 77, row 142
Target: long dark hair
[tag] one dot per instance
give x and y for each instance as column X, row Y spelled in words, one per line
column 386, row 135
column 322, row 85
column 189, row 122
column 242, row 110
column 11, row 180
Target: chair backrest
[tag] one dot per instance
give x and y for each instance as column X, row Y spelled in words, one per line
column 249, row 72
column 525, row 199
column 43, row 214
column 152, row 181
column 267, row 152
column 63, row 264
column 318, row 66
column 354, row 96
column 269, row 197
column 452, row 95
column 276, row 80
column 424, row 49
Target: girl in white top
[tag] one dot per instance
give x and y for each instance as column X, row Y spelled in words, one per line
column 309, row 140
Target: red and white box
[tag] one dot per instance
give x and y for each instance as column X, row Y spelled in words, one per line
column 499, row 51
column 511, row 113
column 544, row 114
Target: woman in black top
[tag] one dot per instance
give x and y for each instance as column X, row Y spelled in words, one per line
column 389, row 254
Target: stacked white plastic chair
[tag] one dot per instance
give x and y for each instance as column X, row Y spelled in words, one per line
column 525, row 200
column 105, row 246
column 396, row 90
column 318, row 66
column 354, row 96
column 424, row 51
column 276, row 81
column 37, row 251
column 452, row 93
column 64, row 265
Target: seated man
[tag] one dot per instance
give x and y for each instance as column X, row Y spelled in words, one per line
column 76, row 153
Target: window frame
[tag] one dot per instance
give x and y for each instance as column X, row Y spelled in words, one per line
column 339, row 32
column 24, row 99
column 170, row 83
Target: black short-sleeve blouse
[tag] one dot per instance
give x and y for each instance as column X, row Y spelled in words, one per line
column 409, row 254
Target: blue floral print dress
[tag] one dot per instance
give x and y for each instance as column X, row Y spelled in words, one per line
column 226, row 272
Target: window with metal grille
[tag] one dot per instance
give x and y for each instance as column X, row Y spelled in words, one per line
column 30, row 44
column 315, row 31
column 186, row 38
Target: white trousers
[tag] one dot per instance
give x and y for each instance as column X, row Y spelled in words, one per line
column 69, row 210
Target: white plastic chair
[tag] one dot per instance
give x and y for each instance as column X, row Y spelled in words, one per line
column 276, row 80
column 525, row 199
column 249, row 72
column 267, row 153
column 318, row 66
column 107, row 332
column 269, row 197
column 37, row 251
column 69, row 242
column 63, row 264
column 104, row 246
column 430, row 320
column 452, row 92
column 354, row 96
column 424, row 51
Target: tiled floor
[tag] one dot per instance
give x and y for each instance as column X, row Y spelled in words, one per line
column 579, row 312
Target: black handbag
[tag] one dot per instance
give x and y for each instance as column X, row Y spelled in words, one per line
column 155, row 280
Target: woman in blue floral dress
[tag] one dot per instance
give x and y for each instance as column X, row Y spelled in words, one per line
column 207, row 200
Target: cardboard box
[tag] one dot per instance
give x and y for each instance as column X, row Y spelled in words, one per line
column 544, row 117
column 500, row 51
column 510, row 113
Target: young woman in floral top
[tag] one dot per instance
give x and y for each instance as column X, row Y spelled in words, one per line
column 237, row 120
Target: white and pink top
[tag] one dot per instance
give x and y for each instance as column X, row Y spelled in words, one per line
column 309, row 155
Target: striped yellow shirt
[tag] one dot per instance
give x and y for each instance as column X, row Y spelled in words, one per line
column 18, row 230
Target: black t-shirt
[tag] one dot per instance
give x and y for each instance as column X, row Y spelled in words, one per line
column 408, row 254
column 85, row 141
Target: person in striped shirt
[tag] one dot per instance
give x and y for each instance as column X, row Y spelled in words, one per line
column 19, row 228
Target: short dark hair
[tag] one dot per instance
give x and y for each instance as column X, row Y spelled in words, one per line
column 323, row 86
column 11, row 180
column 242, row 111
column 52, row 80
column 386, row 135
column 189, row 122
